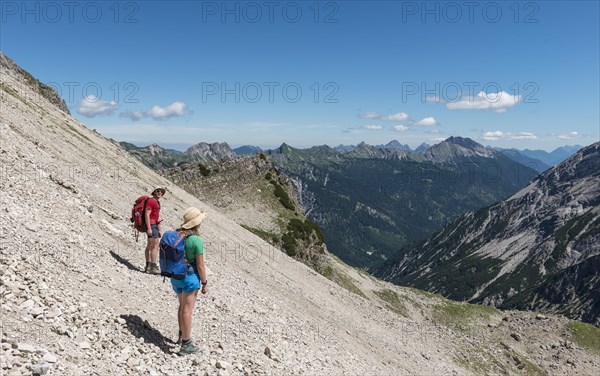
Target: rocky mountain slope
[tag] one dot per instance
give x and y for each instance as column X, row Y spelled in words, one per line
column 516, row 156
column 539, row 249
column 371, row 201
column 74, row 301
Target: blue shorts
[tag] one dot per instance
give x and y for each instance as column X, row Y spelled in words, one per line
column 187, row 285
column 154, row 229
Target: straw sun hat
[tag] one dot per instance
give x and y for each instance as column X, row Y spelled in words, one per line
column 192, row 217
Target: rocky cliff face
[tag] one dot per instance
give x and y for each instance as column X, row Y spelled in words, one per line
column 155, row 156
column 204, row 152
column 522, row 251
column 74, row 301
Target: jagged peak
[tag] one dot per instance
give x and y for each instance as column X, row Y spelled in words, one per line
column 464, row 142
column 423, row 147
column 455, row 146
column 284, row 148
column 395, row 144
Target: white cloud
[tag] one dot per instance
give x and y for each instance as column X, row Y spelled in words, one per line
column 569, row 136
column 400, row 116
column 427, row 122
column 522, row 136
column 374, row 127
column 370, row 115
column 175, row 109
column 493, row 136
column 499, row 102
column 400, row 128
column 133, row 115
column 499, row 135
column 92, row 106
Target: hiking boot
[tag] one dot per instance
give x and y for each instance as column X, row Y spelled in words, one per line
column 147, row 267
column 154, row 269
column 188, row 348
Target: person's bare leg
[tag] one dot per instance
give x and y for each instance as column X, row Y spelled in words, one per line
column 148, row 252
column 186, row 308
column 180, row 313
column 154, row 244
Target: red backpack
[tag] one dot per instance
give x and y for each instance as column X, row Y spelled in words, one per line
column 138, row 217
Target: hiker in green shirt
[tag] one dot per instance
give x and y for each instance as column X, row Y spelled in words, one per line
column 187, row 288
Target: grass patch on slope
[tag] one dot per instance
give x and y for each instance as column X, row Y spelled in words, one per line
column 463, row 316
column 523, row 365
column 394, row 303
column 426, row 294
column 585, row 335
column 482, row 361
column 342, row 279
column 265, row 235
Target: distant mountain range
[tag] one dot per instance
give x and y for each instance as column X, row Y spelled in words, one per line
column 554, row 157
column 516, row 156
column 247, row 150
column 373, row 199
column 538, row 249
column 540, row 160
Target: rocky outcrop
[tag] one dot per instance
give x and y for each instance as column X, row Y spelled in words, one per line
column 36, row 87
column 252, row 192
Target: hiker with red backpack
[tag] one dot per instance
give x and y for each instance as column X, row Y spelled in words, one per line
column 182, row 260
column 145, row 218
column 151, row 216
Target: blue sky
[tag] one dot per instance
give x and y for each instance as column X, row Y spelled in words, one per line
column 508, row 74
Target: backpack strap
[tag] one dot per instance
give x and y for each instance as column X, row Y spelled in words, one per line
column 193, row 266
column 144, row 212
column 178, row 241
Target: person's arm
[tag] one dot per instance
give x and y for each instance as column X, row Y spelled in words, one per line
column 147, row 217
column 202, row 272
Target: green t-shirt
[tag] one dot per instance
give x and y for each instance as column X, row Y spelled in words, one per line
column 193, row 246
